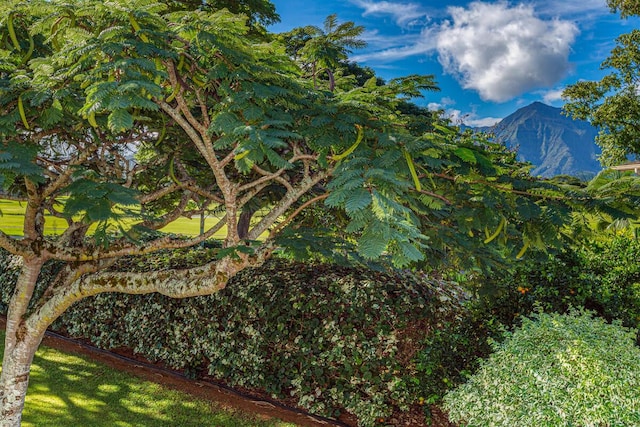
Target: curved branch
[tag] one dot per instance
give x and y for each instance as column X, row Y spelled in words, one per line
column 197, row 281
column 158, row 194
column 182, row 104
column 195, row 189
column 437, row 196
column 266, row 177
column 169, row 217
column 11, row 245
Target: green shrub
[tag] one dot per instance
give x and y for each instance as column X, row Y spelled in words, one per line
column 450, row 354
column 616, row 265
column 555, row 370
column 332, row 338
column 602, row 277
column 553, row 282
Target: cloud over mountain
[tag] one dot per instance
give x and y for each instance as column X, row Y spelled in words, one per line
column 502, row 51
column 494, row 48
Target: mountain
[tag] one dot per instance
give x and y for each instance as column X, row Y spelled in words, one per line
column 553, row 143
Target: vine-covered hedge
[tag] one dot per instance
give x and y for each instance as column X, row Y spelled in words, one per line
column 333, row 338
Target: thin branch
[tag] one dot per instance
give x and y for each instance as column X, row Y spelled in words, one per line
column 191, row 132
column 158, row 194
column 14, row 197
column 160, row 222
column 266, row 177
column 229, row 157
column 54, row 251
column 203, row 109
column 196, row 189
column 182, row 104
column 65, row 176
column 295, row 213
column 285, row 203
column 437, row 196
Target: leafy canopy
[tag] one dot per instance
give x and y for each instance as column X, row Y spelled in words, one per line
column 613, row 103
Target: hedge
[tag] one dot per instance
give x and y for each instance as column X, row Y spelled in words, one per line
column 333, row 338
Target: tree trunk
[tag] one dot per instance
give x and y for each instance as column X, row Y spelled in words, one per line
column 20, row 346
column 244, row 222
column 14, row 380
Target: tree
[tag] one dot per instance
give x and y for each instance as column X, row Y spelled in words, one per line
column 613, row 103
column 261, row 12
column 625, row 7
column 215, row 118
column 322, row 50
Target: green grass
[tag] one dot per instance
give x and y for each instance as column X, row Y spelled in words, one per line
column 68, row 391
column 12, row 215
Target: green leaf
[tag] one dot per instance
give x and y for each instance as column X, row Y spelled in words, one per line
column 357, row 200
column 410, row 252
column 120, row 120
column 372, row 244
column 51, row 115
column 466, row 155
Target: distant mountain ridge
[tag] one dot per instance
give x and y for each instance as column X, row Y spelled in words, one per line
column 555, row 144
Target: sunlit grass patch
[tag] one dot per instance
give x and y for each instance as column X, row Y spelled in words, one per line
column 11, row 222
column 68, row 391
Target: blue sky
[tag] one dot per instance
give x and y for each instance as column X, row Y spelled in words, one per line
column 489, row 57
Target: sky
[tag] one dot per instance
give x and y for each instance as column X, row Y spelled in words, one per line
column 489, row 58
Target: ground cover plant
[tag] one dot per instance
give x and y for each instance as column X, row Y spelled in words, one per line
column 555, row 370
column 70, row 390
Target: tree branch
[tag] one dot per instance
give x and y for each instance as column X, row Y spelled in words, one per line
column 295, row 213
column 11, row 245
column 159, row 222
column 158, row 194
column 197, row 281
column 71, row 254
column 285, row 203
column 266, row 177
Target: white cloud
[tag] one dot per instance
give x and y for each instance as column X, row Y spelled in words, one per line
column 403, row 13
column 458, row 117
column 573, row 8
column 553, row 95
column 482, row 121
column 444, row 102
column 421, row 46
column 503, row 51
column 377, row 41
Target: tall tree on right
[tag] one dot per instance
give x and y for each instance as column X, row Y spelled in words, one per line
column 613, row 103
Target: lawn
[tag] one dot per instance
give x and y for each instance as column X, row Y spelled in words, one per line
column 68, row 391
column 12, row 216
